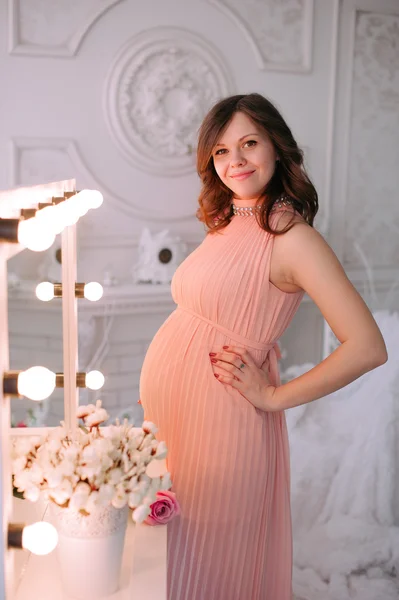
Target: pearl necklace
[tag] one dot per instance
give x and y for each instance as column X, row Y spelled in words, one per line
column 245, row 211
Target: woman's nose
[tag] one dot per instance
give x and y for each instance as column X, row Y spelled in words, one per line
column 236, row 159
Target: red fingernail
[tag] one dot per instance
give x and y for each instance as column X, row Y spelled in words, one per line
column 216, row 375
column 225, row 347
column 212, row 353
column 213, row 360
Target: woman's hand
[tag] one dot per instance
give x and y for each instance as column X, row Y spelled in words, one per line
column 234, row 366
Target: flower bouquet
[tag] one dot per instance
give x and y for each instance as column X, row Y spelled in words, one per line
column 92, row 475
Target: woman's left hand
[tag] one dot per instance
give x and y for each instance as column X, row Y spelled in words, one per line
column 234, row 366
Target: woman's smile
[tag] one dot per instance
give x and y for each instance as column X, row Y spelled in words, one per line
column 241, row 176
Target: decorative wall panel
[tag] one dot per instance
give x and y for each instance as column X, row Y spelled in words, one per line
column 159, row 87
column 52, row 27
column 37, row 160
column 280, row 32
column 372, row 219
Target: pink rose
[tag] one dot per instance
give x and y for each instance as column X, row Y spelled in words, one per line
column 164, row 509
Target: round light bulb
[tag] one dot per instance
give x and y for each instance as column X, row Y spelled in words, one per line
column 40, row 538
column 55, row 214
column 45, row 291
column 69, row 214
column 51, row 215
column 36, row 383
column 93, row 198
column 94, row 380
column 35, row 234
column 93, row 291
column 79, row 205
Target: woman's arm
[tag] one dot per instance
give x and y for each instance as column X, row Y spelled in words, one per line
column 310, row 263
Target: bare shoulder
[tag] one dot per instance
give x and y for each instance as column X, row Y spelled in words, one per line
column 308, row 261
column 286, row 217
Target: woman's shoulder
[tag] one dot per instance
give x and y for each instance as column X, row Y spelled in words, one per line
column 283, row 215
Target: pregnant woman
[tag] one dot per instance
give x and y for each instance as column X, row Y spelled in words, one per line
column 210, row 378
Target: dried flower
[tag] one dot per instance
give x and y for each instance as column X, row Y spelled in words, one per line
column 92, row 466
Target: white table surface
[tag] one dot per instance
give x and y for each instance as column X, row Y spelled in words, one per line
column 143, row 573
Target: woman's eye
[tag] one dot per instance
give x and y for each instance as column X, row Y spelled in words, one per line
column 251, row 142
column 218, row 152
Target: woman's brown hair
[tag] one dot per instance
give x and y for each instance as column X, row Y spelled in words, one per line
column 289, row 179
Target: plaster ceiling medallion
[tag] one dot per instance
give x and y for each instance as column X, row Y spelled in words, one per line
column 159, row 87
column 280, row 33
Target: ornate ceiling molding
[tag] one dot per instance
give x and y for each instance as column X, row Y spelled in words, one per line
column 158, row 89
column 279, row 33
column 52, row 27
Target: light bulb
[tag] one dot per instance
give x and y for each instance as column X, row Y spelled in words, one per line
column 36, row 383
column 40, row 538
column 69, row 215
column 93, row 198
column 94, row 380
column 35, row 234
column 52, row 216
column 93, row 291
column 45, row 291
column 79, row 205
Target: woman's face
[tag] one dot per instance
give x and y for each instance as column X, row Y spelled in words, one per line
column 244, row 158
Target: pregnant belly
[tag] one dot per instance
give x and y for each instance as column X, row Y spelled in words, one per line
column 177, row 349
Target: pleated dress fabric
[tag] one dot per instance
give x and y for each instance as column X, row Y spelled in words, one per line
column 229, row 461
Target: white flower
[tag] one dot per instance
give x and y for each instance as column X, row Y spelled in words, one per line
column 147, row 442
column 162, row 451
column 23, row 479
column 80, row 496
column 23, row 446
column 155, row 484
column 68, row 468
column 144, row 486
column 150, row 427
column 150, row 497
column 71, row 452
column 84, row 469
column 32, row 493
column 54, row 445
column 19, row 464
column 83, row 411
column 62, row 493
column 102, row 445
column 134, row 499
column 120, row 498
column 141, row 513
column 91, row 502
column 166, row 482
column 54, row 477
column 99, row 416
column 114, row 476
column 146, row 453
column 105, row 494
column 133, row 481
column 135, row 439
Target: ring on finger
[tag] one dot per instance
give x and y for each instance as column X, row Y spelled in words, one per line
column 242, row 365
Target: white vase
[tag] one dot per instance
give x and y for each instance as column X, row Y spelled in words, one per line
column 90, row 550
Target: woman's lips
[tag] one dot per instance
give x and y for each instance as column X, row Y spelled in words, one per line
column 241, row 176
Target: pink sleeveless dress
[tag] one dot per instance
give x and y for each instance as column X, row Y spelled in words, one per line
column 229, row 462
